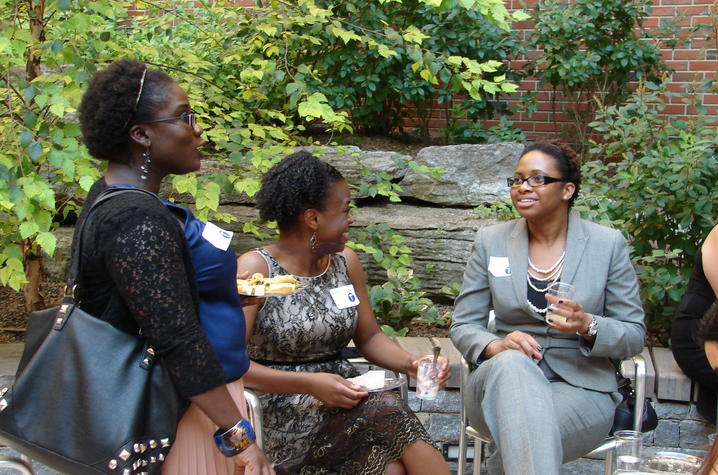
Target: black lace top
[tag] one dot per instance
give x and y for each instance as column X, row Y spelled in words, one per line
column 137, row 274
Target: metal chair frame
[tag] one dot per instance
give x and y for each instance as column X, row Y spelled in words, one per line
column 607, row 447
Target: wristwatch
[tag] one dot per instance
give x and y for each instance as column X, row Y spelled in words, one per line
column 592, row 328
column 235, row 439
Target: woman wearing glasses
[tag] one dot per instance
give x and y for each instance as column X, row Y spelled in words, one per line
column 151, row 267
column 543, row 388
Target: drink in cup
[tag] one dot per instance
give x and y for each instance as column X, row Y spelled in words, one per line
column 629, row 445
column 561, row 290
column 427, row 383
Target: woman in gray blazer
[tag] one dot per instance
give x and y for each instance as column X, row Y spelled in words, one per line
column 544, row 389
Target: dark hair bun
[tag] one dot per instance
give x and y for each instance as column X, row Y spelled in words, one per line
column 299, row 182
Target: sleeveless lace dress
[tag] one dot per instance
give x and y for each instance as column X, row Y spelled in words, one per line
column 306, row 332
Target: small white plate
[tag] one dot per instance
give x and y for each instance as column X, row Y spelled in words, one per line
column 389, row 383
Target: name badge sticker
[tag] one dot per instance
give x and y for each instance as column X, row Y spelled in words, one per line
column 217, row 236
column 499, row 266
column 344, row 296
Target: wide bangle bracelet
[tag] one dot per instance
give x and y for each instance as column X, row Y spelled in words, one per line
column 235, row 439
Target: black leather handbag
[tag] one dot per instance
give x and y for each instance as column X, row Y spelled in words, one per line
column 623, row 418
column 89, row 398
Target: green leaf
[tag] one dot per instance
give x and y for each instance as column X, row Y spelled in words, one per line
column 47, row 241
column 28, row 228
column 34, row 150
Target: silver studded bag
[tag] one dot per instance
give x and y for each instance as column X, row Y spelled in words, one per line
column 87, row 397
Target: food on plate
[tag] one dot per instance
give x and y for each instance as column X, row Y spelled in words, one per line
column 260, row 286
column 373, row 379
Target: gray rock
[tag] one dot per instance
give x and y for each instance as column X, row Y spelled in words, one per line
column 440, row 239
column 694, row 434
column 667, row 434
column 446, row 402
column 473, row 174
column 671, row 410
column 443, row 427
column 357, row 165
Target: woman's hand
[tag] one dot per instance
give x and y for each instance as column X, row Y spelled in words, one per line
column 577, row 321
column 516, row 340
column 444, row 371
column 254, row 461
column 335, row 391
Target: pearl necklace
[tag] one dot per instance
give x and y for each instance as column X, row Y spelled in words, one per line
column 535, row 308
column 553, row 274
column 550, row 269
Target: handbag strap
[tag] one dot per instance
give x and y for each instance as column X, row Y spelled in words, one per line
column 112, row 191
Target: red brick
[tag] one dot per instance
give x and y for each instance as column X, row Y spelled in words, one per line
column 711, row 66
column 547, row 127
column 710, row 99
column 702, row 20
column 674, row 109
column 695, row 9
column 684, row 77
column 663, row 11
column 678, row 65
column 687, row 54
column 667, row 55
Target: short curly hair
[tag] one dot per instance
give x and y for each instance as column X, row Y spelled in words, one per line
column 569, row 165
column 111, row 105
column 299, row 182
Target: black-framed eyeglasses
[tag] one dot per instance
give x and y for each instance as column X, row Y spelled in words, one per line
column 189, row 118
column 533, row 180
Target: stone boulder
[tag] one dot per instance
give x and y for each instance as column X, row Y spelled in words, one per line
column 473, row 174
column 440, row 239
column 353, row 162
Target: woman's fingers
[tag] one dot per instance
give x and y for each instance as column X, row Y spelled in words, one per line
column 574, row 318
column 518, row 340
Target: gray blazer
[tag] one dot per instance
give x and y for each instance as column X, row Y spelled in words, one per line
column 598, row 265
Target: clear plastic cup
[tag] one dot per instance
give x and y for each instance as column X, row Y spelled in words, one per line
column 427, row 383
column 629, row 447
column 561, row 290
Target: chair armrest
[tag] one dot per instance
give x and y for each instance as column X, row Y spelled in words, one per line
column 254, row 412
column 639, row 386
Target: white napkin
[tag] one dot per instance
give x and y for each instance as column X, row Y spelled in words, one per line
column 370, row 380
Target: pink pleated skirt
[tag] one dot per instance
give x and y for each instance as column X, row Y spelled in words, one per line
column 194, row 451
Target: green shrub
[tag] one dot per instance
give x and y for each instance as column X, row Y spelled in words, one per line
column 661, row 193
column 427, row 41
column 592, row 49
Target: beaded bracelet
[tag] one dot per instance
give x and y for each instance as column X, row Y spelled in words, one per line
column 235, row 439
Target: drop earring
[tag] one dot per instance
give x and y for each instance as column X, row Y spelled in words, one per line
column 145, row 167
column 313, row 242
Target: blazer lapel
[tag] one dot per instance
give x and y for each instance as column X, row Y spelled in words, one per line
column 518, row 251
column 576, row 240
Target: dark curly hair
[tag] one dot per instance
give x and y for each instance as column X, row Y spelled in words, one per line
column 299, row 182
column 110, row 106
column 569, row 165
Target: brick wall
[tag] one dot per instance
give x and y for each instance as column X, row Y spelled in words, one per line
column 694, row 62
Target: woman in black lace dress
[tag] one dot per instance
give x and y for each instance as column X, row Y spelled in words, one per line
column 317, row 422
column 137, row 266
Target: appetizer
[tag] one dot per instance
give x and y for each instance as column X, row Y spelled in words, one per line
column 260, row 286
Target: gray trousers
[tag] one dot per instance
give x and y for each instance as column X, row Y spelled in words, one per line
column 535, row 425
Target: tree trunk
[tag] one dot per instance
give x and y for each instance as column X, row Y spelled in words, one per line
column 34, row 300
column 36, row 13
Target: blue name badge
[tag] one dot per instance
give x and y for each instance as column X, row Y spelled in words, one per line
column 344, row 296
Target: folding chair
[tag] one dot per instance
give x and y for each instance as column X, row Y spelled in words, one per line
column 607, row 447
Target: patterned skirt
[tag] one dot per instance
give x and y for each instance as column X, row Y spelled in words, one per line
column 302, row 436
